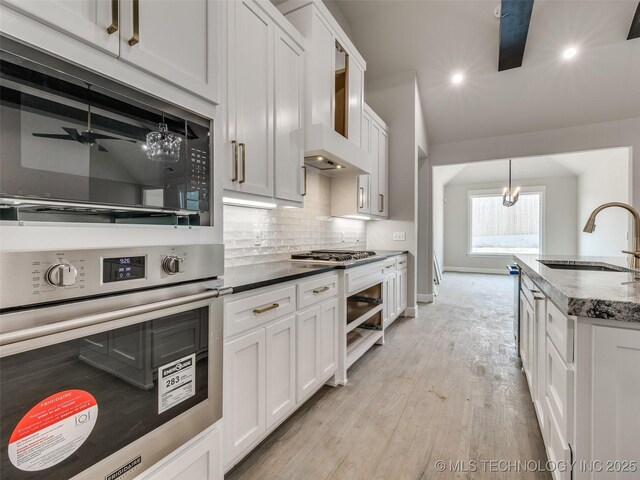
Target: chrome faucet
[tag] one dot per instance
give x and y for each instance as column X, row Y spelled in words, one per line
column 590, row 226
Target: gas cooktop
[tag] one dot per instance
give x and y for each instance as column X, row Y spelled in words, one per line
column 332, row 256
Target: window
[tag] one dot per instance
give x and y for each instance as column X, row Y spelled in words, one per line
column 499, row 230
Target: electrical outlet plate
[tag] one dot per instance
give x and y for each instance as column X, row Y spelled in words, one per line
column 257, row 239
column 399, row 236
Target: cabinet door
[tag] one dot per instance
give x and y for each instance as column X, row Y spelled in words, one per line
column 86, row 20
column 244, row 392
column 374, row 178
column 390, row 298
column 524, row 332
column 288, row 103
column 328, row 339
column 401, row 289
column 175, row 41
column 616, row 390
column 364, row 194
column 250, row 90
column 280, row 368
column 383, row 167
column 356, row 100
column 321, row 77
column 307, row 351
column 540, row 361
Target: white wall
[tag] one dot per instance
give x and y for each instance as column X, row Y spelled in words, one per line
column 394, row 100
column 606, row 182
column 560, row 222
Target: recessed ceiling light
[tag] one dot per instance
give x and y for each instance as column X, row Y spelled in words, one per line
column 338, row 166
column 569, row 53
column 457, row 78
column 320, row 159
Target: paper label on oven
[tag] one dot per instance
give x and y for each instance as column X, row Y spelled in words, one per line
column 176, row 382
column 52, row 430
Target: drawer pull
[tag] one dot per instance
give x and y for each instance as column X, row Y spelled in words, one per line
column 320, row 290
column 258, row 311
column 535, row 291
column 389, row 266
column 539, row 298
column 402, row 263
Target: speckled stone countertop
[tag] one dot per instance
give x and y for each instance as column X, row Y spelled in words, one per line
column 250, row 277
column 584, row 293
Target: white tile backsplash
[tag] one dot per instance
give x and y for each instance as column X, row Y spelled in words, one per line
column 287, row 230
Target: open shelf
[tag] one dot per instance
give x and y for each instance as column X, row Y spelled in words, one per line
column 367, row 314
column 359, row 341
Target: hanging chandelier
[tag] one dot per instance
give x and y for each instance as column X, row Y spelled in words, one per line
column 510, row 197
column 162, row 145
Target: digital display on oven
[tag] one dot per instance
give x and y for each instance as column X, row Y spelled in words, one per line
column 122, row 268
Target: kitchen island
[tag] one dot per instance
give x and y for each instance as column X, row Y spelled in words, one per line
column 580, row 351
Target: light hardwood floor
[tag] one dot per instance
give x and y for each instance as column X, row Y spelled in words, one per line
column 445, row 386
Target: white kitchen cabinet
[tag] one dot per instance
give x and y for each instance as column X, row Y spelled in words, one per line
column 265, row 92
column 198, row 459
column 390, row 298
column 328, row 338
column 308, row 331
column 250, row 98
column 89, row 21
column 401, row 289
column 173, row 40
column 280, row 369
column 615, row 394
column 244, row 400
column 525, row 319
column 289, row 138
column 356, row 101
column 383, row 174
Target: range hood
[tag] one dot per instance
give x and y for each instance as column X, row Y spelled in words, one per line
column 331, row 154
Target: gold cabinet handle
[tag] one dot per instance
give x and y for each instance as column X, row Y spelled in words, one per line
column 234, row 144
column 258, row 311
column 402, row 263
column 389, row 266
column 320, row 290
column 304, row 169
column 136, row 23
column 539, row 298
column 115, row 14
column 381, row 202
column 244, row 162
column 361, row 197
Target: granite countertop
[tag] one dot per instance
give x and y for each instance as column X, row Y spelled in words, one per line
column 584, row 293
column 250, row 277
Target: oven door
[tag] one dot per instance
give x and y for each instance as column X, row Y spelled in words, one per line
column 88, row 396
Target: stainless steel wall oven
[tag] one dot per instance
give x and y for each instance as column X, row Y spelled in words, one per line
column 77, row 147
column 109, row 359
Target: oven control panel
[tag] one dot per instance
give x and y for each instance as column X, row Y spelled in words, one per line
column 39, row 277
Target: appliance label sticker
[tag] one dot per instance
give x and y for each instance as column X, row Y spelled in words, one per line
column 52, row 430
column 176, row 382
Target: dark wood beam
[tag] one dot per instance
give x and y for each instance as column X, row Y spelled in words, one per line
column 515, row 16
column 634, row 31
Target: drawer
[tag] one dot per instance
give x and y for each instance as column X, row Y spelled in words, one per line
column 389, row 265
column 560, row 330
column 316, row 290
column 363, row 277
column 258, row 309
column 559, row 390
column 557, row 446
column 402, row 262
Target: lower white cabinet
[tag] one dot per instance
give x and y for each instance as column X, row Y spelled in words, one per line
column 328, row 338
column 244, row 406
column 308, row 348
column 401, row 289
column 198, row 459
column 390, row 298
column 615, row 396
column 281, row 369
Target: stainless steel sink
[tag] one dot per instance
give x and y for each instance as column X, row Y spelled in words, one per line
column 556, row 265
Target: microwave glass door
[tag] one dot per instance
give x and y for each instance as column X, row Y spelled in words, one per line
column 68, row 139
column 66, row 406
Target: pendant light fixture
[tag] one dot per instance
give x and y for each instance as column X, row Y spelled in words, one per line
column 509, row 197
column 162, row 145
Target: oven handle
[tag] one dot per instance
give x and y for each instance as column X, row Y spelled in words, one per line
column 58, row 327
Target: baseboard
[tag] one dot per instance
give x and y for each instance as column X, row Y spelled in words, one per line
column 490, row 271
column 424, row 297
column 411, row 312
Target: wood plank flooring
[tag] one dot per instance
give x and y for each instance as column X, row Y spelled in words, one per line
column 445, row 386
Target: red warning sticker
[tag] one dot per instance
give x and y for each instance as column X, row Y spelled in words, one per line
column 52, row 430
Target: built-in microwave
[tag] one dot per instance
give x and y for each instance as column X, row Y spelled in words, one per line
column 77, row 147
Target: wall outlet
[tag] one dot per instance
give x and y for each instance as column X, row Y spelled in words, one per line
column 342, row 237
column 399, row 236
column 257, row 239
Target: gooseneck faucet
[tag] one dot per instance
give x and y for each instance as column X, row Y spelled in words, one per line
column 590, row 226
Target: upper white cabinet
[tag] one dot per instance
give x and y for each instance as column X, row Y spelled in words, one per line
column 175, row 41
column 95, row 22
column 366, row 194
column 264, row 103
column 334, row 86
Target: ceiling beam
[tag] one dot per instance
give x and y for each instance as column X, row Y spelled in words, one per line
column 634, row 31
column 515, row 16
